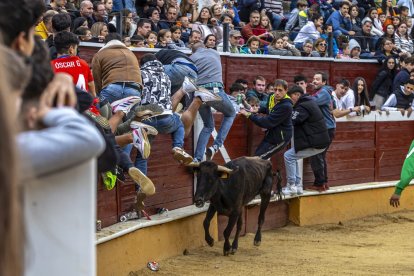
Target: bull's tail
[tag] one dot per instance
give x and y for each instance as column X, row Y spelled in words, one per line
column 278, row 185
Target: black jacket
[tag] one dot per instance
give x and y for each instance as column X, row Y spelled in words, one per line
column 382, row 84
column 278, row 122
column 310, row 129
column 365, row 41
column 403, row 101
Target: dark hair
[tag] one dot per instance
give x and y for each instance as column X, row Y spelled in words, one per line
column 146, row 58
column 344, row 82
column 280, row 82
column 78, row 22
column 300, row 77
column 194, row 31
column 18, row 16
column 324, row 76
column 369, row 13
column 207, row 37
column 61, row 22
column 81, row 31
column 390, row 9
column 236, row 87
column 343, row 3
column 142, row 21
column 295, row 89
column 315, row 17
column 136, row 38
column 174, row 28
column 42, row 72
column 253, row 100
column 63, row 41
column 242, row 81
column 96, row 4
column 409, row 60
column 113, row 36
column 150, row 11
column 409, row 81
column 364, row 99
column 209, row 12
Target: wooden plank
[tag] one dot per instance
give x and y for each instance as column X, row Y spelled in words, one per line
column 277, row 215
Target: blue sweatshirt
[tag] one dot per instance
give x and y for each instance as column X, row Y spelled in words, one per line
column 323, row 98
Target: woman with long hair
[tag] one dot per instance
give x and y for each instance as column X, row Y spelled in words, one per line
column 321, row 46
column 376, row 29
column 389, row 33
column 189, row 8
column 361, row 94
column 99, row 30
column 402, row 39
column 388, row 10
column 210, row 42
column 387, row 49
column 207, row 25
column 381, row 87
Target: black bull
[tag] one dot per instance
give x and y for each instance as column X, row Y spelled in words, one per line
column 229, row 188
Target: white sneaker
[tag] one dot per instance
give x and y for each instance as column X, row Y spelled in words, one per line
column 206, row 96
column 189, row 85
column 141, row 142
column 210, row 152
column 149, row 129
column 299, row 189
column 289, row 190
column 125, row 104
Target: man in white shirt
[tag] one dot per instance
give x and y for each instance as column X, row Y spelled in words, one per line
column 344, row 100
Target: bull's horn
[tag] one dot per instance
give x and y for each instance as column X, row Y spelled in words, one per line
column 224, row 169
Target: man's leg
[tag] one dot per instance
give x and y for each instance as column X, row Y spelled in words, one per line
column 208, row 121
column 188, row 116
column 226, row 107
column 319, row 165
column 265, row 150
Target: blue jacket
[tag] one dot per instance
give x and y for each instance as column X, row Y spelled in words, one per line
column 339, row 23
column 323, row 98
column 278, row 122
column 400, row 79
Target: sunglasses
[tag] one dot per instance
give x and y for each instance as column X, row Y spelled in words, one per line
column 322, row 44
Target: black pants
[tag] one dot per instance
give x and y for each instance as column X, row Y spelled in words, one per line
column 265, row 149
column 318, row 163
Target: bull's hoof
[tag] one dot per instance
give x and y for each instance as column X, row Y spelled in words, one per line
column 210, row 242
column 233, row 251
column 226, row 252
column 257, row 243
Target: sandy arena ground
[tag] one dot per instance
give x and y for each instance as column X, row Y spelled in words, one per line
column 379, row 245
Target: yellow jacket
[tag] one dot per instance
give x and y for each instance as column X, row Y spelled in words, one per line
column 41, row 30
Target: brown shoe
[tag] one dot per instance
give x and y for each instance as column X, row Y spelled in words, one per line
column 142, row 180
column 315, row 188
column 181, row 156
column 139, row 204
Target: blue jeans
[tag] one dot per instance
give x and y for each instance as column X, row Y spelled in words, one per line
column 177, row 71
column 225, row 106
column 291, row 163
column 117, row 91
column 276, row 20
column 168, row 124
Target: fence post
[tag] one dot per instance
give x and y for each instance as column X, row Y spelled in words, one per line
column 119, row 23
column 330, row 44
column 226, row 31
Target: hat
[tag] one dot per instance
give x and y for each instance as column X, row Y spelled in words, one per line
column 235, row 33
column 353, row 44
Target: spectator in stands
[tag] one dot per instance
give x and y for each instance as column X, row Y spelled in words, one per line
column 232, row 10
column 263, row 31
column 388, row 10
column 60, row 22
column 302, row 81
column 116, row 71
column 216, row 11
column 99, row 31
column 308, row 49
column 206, row 25
column 320, row 46
column 209, row 68
column 294, row 23
column 251, row 46
column 355, row 49
column 161, row 6
column 176, row 35
column 189, row 9
column 389, row 33
column 365, row 40
column 227, row 18
column 86, row 11
column 128, row 24
column 310, row 137
column 185, row 28
column 327, row 29
column 250, row 29
column 340, row 20
column 405, row 179
column 277, row 121
column 138, row 41
column 171, row 18
column 99, row 12
column 44, row 28
column 377, row 29
column 254, row 103
column 344, row 100
column 258, row 91
column 108, row 6
column 246, row 8
column 361, row 95
column 144, row 27
column 402, row 39
column 238, row 102
column 152, row 39
column 79, row 22
column 382, row 85
column 323, row 97
column 274, row 8
column 406, row 3
column 402, row 99
column 387, row 49
column 404, row 15
column 57, row 5
column 153, row 15
column 243, row 82
column 355, row 18
column 311, row 31
column 270, row 88
column 234, row 42
column 407, row 66
column 282, row 48
column 83, row 33
column 396, row 21
column 67, row 61
column 210, row 42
